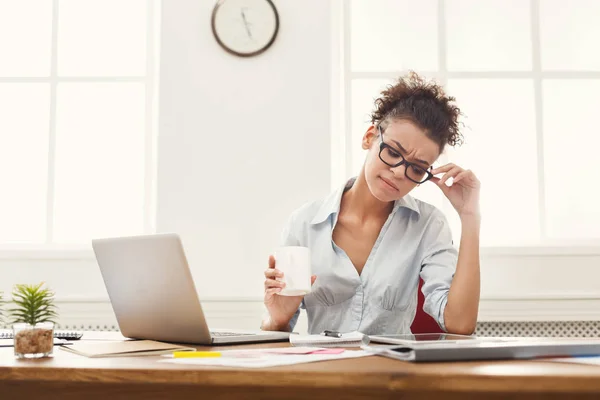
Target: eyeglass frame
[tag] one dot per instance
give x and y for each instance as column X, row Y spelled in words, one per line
column 383, row 145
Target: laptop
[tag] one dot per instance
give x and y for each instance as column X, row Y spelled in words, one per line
column 153, row 295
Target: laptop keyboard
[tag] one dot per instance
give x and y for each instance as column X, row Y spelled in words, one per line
column 231, row 334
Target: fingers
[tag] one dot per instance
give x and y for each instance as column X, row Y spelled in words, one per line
column 273, row 273
column 442, row 186
column 272, row 283
column 313, row 278
column 450, row 170
column 451, row 174
column 453, row 171
column 443, row 168
column 468, row 177
column 272, row 291
column 462, row 175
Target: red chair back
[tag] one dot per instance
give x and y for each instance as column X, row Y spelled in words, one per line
column 423, row 322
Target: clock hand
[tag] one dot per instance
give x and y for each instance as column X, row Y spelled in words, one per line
column 246, row 24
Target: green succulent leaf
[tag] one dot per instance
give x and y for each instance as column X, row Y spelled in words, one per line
column 33, row 304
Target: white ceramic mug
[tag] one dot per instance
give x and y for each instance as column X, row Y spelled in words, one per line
column 294, row 262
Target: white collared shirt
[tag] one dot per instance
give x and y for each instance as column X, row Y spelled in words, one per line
column 415, row 240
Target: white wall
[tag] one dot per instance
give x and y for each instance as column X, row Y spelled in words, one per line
column 242, row 141
column 273, row 114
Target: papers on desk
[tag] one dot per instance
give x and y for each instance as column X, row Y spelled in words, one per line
column 352, row 339
column 302, row 350
column 263, row 358
column 593, row 360
column 126, row 348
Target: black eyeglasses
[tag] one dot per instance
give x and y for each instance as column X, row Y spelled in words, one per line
column 393, row 158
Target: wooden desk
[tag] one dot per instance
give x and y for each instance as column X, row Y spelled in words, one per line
column 68, row 376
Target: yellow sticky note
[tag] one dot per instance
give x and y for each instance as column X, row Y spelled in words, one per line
column 196, row 354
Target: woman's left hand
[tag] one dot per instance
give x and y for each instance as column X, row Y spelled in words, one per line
column 464, row 191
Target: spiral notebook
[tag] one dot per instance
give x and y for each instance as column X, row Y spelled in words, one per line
column 351, row 339
column 58, row 334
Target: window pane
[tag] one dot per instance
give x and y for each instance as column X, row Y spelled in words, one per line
column 501, row 148
column 25, row 37
column 484, row 35
column 24, row 161
column 569, row 34
column 98, row 38
column 99, row 188
column 394, row 35
column 571, row 143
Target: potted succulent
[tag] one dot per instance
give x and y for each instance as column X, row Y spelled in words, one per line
column 33, row 320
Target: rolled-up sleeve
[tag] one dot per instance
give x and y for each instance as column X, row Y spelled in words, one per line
column 437, row 267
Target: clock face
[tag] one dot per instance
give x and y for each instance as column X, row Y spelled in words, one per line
column 245, row 27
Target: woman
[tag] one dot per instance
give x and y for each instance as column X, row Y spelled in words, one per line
column 370, row 241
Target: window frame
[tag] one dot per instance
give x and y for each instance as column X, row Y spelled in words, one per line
column 341, row 126
column 50, row 249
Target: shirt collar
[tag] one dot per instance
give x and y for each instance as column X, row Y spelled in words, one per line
column 331, row 204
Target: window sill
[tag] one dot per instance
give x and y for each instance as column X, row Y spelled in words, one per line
column 22, row 252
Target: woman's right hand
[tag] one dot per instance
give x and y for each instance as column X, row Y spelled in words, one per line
column 281, row 308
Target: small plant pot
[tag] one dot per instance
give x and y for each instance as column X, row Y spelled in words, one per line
column 33, row 341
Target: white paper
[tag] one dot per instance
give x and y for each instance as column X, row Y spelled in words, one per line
column 594, row 360
column 351, row 339
column 264, row 360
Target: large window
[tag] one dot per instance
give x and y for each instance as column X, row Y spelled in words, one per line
column 526, row 74
column 77, row 97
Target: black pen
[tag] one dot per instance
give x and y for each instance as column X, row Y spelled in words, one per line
column 332, row 334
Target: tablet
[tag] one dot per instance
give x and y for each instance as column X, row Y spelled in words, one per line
column 410, row 339
column 482, row 349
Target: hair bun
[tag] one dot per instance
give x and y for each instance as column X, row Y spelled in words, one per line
column 423, row 103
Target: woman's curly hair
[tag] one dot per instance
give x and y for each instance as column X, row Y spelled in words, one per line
column 424, row 104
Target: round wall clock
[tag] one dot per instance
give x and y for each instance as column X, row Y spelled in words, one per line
column 245, row 27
